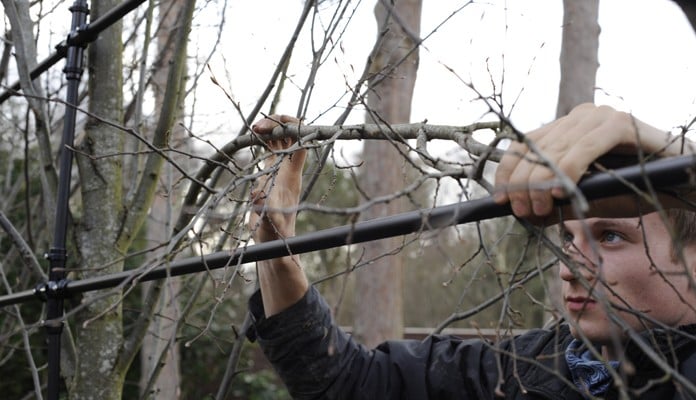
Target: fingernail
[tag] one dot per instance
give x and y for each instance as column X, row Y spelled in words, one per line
column 558, row 192
column 539, row 208
column 519, row 208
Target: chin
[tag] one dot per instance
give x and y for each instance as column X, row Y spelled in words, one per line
column 594, row 331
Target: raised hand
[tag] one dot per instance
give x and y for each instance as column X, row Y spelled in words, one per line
column 571, row 144
column 275, row 199
column 275, row 196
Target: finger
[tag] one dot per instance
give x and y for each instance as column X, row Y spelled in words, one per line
column 521, row 172
column 518, row 188
column 264, row 126
column 540, row 193
column 553, row 142
column 592, row 143
column 286, row 119
column 267, row 124
column 511, row 159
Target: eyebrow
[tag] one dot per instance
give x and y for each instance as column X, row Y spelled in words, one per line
column 609, row 223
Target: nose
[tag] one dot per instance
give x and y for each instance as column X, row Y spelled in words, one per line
column 570, row 270
column 578, row 261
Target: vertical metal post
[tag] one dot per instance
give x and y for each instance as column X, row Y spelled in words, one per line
column 57, row 255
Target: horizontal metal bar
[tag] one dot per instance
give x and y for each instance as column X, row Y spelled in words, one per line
column 661, row 174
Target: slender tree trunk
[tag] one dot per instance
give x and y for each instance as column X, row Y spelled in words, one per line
column 99, row 329
column 578, row 54
column 379, row 299
column 161, row 336
column 19, row 16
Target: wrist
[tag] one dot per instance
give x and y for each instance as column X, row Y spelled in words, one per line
column 282, row 282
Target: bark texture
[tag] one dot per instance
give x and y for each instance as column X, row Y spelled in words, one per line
column 99, row 329
column 379, row 299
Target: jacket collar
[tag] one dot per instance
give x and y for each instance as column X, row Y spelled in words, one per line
column 541, row 376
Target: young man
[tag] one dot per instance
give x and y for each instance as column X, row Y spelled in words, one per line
column 628, row 291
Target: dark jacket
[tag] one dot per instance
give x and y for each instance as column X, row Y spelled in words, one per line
column 317, row 360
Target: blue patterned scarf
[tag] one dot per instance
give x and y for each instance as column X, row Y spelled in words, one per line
column 589, row 374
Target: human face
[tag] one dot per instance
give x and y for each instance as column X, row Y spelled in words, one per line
column 629, row 263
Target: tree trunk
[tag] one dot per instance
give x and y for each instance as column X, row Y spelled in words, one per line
column 379, row 298
column 159, row 345
column 578, row 54
column 99, row 329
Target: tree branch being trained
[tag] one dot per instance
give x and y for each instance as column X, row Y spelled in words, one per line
column 462, row 135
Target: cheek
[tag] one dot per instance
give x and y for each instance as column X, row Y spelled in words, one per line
column 629, row 278
column 644, row 290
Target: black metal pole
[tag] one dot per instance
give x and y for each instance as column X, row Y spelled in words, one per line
column 57, row 255
column 661, row 174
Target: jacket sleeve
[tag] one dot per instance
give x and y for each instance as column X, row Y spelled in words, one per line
column 317, row 360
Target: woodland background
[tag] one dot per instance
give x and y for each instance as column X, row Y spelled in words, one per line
column 164, row 161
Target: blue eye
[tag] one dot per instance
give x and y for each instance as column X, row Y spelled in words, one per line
column 611, row 237
column 566, row 238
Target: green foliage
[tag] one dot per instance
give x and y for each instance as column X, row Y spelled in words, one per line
column 203, row 366
column 258, row 385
